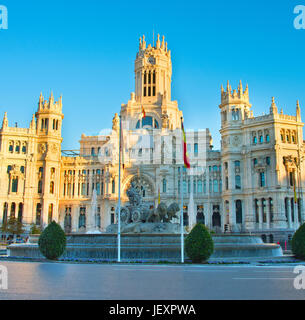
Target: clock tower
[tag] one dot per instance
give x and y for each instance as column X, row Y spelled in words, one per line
column 153, row 74
column 153, row 71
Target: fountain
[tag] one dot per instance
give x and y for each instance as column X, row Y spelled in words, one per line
column 146, row 235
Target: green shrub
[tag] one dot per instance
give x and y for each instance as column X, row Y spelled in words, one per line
column 35, row 229
column 199, row 244
column 52, row 241
column 298, row 243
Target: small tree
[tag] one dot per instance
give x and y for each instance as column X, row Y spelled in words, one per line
column 199, row 244
column 4, row 229
column 35, row 229
column 298, row 243
column 14, row 226
column 52, row 241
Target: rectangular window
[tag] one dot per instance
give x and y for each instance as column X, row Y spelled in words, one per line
column 262, row 179
column 196, row 149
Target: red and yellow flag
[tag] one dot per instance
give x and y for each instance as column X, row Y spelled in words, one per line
column 159, row 199
column 143, row 113
column 185, row 155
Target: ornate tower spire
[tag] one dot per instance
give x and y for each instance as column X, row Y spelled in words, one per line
column 163, row 44
column 298, row 111
column 5, row 121
column 240, row 89
column 33, row 123
column 273, row 108
column 158, row 44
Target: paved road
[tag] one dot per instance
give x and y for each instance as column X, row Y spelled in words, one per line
column 85, row 281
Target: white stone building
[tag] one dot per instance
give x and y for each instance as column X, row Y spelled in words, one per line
column 250, row 185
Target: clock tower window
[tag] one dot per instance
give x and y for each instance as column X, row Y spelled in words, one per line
column 149, row 83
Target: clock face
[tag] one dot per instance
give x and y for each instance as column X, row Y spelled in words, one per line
column 151, row 60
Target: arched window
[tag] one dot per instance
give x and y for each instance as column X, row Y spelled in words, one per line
column 92, row 151
column 82, row 218
column 113, row 186
column 147, row 121
column 40, row 186
column 271, row 238
column 52, row 187
column 271, row 209
column 38, row 214
column 216, row 220
column 239, row 214
column 15, row 184
column 267, row 138
column 200, row 215
column 17, row 148
column 262, row 181
column 215, row 186
column 164, row 185
column 264, row 208
column 20, row 212
column 256, row 208
column 254, row 140
column 237, row 182
column 5, row 209
column 11, row 147
column 24, row 148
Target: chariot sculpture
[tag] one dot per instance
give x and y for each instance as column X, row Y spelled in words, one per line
column 138, row 211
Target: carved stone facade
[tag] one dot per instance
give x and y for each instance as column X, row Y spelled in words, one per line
column 251, row 184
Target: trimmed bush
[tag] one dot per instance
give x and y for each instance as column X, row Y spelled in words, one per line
column 298, row 243
column 52, row 241
column 199, row 244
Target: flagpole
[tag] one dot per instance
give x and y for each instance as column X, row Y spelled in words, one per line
column 119, row 196
column 181, row 215
column 181, row 190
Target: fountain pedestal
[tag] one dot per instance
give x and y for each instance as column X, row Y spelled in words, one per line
column 149, row 247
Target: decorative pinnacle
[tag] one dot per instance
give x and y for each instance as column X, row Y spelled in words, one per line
column 273, row 108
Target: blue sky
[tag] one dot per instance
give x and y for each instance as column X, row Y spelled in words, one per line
column 85, row 50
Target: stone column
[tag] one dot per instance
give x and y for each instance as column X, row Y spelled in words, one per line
column 233, row 216
column 296, row 218
column 74, row 217
column 206, row 213
column 289, row 213
column 260, row 214
column 249, row 213
column 268, row 213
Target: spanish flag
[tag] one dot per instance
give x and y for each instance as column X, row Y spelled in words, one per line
column 159, row 199
column 185, row 155
column 143, row 112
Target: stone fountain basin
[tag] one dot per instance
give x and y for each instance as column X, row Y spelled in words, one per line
column 149, row 247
